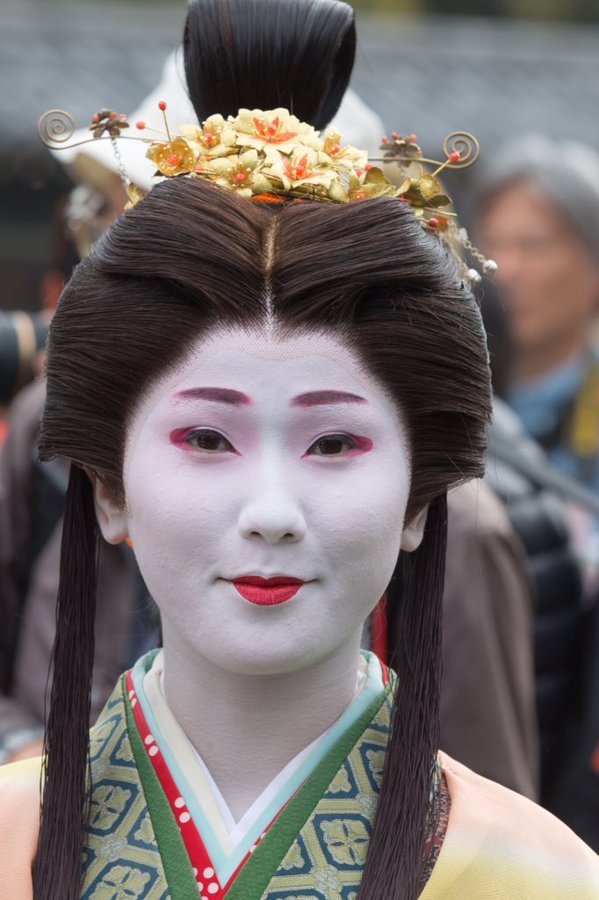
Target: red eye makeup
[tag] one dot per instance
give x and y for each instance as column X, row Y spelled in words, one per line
column 205, row 440
column 341, row 445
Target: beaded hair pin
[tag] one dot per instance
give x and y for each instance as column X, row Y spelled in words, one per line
column 270, row 156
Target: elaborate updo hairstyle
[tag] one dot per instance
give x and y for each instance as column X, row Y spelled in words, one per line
column 192, row 257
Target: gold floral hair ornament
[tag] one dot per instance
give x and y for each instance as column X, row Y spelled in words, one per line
column 272, row 156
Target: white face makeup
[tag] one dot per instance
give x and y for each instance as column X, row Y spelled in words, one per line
column 261, row 459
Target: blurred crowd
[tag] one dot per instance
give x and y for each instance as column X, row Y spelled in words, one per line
column 521, row 634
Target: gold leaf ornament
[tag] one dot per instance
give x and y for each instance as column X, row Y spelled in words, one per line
column 367, row 184
column 429, row 186
column 376, row 176
column 439, row 201
column 343, row 154
column 177, row 157
column 134, row 194
column 214, row 138
column 275, row 128
column 272, row 156
column 239, row 172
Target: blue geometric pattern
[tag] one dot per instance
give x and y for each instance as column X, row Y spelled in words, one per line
column 121, row 857
column 326, row 860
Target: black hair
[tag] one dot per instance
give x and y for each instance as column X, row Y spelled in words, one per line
column 296, row 54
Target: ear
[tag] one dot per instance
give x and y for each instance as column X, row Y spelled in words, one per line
column 411, row 536
column 111, row 517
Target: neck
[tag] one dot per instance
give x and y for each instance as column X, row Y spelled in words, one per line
column 248, row 727
column 534, row 362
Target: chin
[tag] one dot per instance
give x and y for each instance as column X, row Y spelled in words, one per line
column 266, row 658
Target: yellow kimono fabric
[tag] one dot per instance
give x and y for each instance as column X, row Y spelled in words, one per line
column 498, row 846
column 501, row 846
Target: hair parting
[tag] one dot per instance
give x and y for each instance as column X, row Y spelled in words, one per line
column 57, row 871
column 269, row 258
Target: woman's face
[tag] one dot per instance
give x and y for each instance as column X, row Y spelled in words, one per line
column 261, row 459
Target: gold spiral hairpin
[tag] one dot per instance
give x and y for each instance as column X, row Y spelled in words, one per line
column 56, row 126
column 463, row 143
column 272, row 154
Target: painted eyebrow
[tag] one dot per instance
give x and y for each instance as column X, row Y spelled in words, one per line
column 326, row 398
column 216, row 394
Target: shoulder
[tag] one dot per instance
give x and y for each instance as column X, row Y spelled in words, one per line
column 476, row 513
column 501, row 845
column 19, row 826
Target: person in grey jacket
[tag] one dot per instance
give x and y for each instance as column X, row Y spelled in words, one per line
column 31, row 506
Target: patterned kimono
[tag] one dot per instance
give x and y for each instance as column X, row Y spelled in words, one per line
column 155, row 835
column 150, row 837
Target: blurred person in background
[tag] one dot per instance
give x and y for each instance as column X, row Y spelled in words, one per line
column 538, row 217
column 22, row 333
column 488, row 694
column 32, row 495
column 22, row 339
column 31, row 510
column 540, row 502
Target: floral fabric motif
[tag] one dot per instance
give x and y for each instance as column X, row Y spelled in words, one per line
column 108, row 803
column 376, row 763
column 325, row 862
column 121, row 883
column 347, row 840
column 335, row 838
column 341, row 783
column 122, row 861
column 294, row 859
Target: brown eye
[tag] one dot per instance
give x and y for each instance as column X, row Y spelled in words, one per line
column 209, row 441
column 332, row 445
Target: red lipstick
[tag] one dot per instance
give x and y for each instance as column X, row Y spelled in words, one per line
column 267, row 591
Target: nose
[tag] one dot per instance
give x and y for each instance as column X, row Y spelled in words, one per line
column 273, row 514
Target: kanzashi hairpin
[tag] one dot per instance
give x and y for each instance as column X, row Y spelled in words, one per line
column 270, row 154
